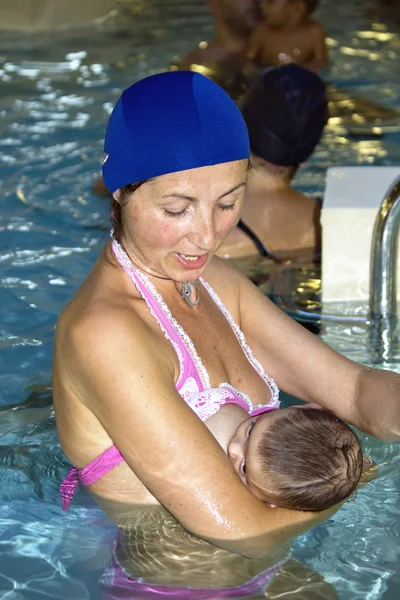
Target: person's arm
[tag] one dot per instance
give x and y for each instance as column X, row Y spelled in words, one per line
column 307, row 368
column 255, row 44
column 320, row 58
column 130, row 390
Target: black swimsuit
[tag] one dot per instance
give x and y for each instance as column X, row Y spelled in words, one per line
column 261, row 247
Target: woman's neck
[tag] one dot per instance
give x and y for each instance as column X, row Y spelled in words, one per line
column 269, row 178
column 165, row 286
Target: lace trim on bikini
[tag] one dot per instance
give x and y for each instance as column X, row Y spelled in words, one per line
column 126, row 264
column 132, row 273
column 247, row 351
column 246, row 398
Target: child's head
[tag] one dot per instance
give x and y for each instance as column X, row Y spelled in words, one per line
column 300, row 458
column 279, row 13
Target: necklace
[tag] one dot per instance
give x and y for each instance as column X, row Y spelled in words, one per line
column 187, row 291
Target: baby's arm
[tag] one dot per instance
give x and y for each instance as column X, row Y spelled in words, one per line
column 320, row 58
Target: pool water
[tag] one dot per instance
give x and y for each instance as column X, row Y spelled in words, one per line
column 57, row 91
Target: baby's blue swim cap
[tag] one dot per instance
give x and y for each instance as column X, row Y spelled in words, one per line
column 171, row 122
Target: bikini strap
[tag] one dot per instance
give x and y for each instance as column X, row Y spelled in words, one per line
column 110, row 458
column 172, row 330
column 68, row 488
column 259, row 244
column 274, row 401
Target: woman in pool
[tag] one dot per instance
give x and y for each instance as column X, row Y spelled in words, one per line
column 285, row 112
column 146, row 331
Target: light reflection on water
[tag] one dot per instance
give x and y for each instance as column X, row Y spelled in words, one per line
column 57, row 92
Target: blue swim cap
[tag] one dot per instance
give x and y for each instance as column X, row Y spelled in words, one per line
column 171, row 122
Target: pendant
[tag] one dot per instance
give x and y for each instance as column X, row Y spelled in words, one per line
column 187, row 291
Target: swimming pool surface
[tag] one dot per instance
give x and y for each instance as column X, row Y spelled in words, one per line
column 57, row 92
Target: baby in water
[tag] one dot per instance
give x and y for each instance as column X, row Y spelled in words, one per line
column 299, row 458
column 288, row 34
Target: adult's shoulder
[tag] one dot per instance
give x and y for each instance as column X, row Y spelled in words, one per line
column 227, row 282
column 99, row 319
column 100, row 326
column 221, row 274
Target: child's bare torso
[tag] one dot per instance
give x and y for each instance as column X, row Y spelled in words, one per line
column 276, row 46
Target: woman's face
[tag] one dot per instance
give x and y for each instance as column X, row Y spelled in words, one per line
column 173, row 224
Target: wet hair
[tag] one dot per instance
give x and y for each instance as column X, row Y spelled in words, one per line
column 117, row 208
column 310, row 460
column 311, row 6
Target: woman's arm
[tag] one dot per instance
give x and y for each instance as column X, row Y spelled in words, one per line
column 305, row 367
column 131, row 392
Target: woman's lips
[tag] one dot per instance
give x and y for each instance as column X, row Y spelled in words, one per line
column 191, row 261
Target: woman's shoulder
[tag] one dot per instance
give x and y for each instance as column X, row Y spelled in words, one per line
column 89, row 342
column 227, row 282
column 101, row 309
column 223, row 276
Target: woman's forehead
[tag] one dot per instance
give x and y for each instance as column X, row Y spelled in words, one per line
column 217, row 179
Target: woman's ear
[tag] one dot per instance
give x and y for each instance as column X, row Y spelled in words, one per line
column 116, row 195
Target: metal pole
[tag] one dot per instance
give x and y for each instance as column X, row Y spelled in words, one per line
column 383, row 280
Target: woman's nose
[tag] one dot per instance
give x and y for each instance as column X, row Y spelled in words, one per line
column 202, row 233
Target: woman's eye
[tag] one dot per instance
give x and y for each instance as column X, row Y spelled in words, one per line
column 227, row 206
column 180, row 213
column 243, row 467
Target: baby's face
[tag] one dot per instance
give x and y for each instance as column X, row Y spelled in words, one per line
column 277, row 12
column 242, row 448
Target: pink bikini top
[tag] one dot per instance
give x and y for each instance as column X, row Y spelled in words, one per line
column 193, row 382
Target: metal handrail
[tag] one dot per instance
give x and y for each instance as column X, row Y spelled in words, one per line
column 384, row 251
column 383, row 277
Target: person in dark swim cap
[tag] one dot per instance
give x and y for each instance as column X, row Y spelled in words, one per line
column 285, row 112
